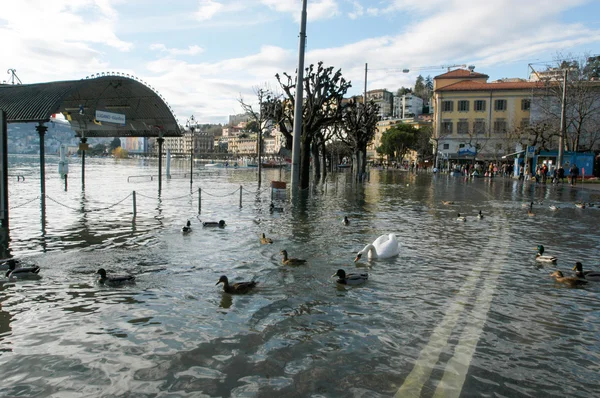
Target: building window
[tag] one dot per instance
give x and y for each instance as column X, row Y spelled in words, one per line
column 499, row 126
column 446, row 128
column 447, row 106
column 524, row 123
column 479, row 126
column 500, row 105
column 446, row 146
column 463, row 106
column 525, row 104
column 461, row 145
column 479, row 106
column 462, row 127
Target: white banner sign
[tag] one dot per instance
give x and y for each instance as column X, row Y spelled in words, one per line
column 109, row 117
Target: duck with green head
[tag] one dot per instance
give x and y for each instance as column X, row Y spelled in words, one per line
column 544, row 259
column 593, row 276
column 350, row 279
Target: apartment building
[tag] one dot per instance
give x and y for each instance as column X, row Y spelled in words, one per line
column 406, row 106
column 474, row 117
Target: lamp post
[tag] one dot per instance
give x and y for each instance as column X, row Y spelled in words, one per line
column 563, row 121
column 191, row 124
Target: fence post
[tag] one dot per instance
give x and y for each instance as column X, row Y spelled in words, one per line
column 199, row 200
column 134, row 206
column 240, row 196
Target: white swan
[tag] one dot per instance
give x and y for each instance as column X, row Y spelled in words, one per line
column 385, row 246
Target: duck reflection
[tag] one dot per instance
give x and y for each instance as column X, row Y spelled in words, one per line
column 226, row 300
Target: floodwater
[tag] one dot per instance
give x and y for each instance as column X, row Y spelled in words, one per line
column 464, row 310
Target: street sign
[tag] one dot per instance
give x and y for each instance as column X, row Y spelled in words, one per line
column 531, row 149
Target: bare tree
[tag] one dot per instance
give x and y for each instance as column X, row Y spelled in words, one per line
column 582, row 101
column 261, row 117
column 324, row 90
column 358, row 123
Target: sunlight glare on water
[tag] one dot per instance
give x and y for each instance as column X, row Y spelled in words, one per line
column 464, row 310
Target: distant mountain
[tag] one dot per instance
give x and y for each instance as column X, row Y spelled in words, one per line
column 23, row 138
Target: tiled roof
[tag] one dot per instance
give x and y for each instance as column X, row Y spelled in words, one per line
column 469, row 85
column 460, row 73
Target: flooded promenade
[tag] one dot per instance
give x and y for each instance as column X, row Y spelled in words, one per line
column 463, row 310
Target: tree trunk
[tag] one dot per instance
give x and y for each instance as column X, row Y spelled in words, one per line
column 324, row 157
column 316, row 159
column 305, row 163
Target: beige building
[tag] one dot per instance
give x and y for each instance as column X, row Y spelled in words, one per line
column 472, row 117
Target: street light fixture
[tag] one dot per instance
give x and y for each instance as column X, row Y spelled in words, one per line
column 191, row 124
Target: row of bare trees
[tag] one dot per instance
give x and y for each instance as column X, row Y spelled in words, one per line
column 326, row 118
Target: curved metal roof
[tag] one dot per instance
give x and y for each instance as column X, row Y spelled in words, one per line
column 146, row 114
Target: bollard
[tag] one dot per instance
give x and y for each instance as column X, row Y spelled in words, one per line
column 199, row 200
column 66, row 185
column 240, row 196
column 134, row 206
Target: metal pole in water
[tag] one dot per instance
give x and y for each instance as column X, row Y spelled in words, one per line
column 41, row 129
column 199, row 200
column 240, row 196
column 134, row 205
column 298, row 104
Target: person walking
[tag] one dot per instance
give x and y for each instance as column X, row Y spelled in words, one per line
column 574, row 173
column 560, row 174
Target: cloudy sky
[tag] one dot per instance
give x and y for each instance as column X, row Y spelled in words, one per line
column 202, row 55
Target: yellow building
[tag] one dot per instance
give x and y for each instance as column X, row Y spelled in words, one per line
column 472, row 116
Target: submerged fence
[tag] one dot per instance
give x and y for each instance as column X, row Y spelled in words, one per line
column 134, row 199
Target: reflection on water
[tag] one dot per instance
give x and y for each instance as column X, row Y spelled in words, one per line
column 464, row 310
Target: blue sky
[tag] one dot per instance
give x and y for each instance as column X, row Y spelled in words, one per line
column 204, row 55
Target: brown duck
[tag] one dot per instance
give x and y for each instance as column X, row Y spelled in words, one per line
column 264, row 240
column 290, row 261
column 236, row 288
column 571, row 281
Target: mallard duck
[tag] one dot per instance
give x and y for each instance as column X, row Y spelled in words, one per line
column 236, row 288
column 290, row 261
column 187, row 228
column 264, row 240
column 554, row 208
column 114, row 279
column 385, row 246
column 5, row 265
column 530, row 212
column 480, row 215
column 220, row 223
column 273, row 208
column 461, row 218
column 580, row 205
column 544, row 259
column 22, row 272
column 350, row 279
column 345, row 221
column 587, row 275
column 447, row 202
column 567, row 280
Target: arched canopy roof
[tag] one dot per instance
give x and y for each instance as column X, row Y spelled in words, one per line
column 145, row 112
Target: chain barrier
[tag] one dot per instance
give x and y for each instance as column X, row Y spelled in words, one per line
column 24, row 204
column 260, row 191
column 219, row 196
column 90, row 210
column 161, row 198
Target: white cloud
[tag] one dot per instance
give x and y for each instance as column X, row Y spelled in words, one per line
column 191, row 50
column 208, row 9
column 357, row 10
column 316, row 9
